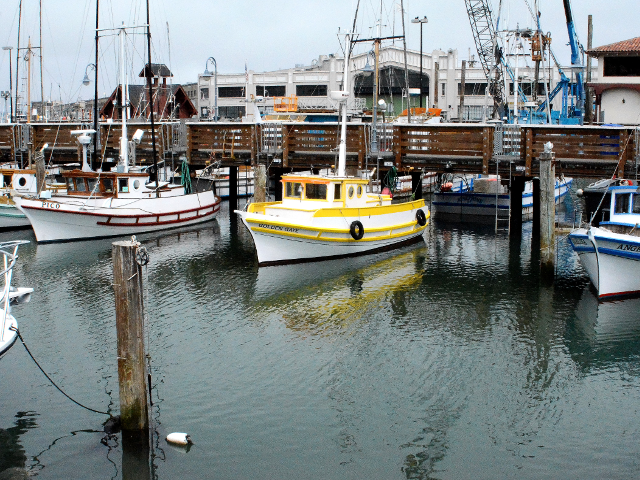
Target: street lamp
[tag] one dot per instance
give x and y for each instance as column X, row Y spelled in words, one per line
column 10, row 81
column 86, row 81
column 421, row 21
column 207, row 74
column 4, row 94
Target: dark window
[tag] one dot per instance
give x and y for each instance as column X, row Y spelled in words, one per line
column 527, row 88
column 123, row 185
column 230, row 92
column 622, row 66
column 337, row 193
column 636, row 204
column 472, row 88
column 107, row 184
column 70, row 185
column 231, row 112
column 204, row 94
column 271, row 90
column 316, row 191
column 311, row 90
column 622, row 203
column 80, row 185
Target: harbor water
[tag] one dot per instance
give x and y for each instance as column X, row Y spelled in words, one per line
column 447, row 359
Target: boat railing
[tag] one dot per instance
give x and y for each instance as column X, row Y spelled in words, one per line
column 9, row 251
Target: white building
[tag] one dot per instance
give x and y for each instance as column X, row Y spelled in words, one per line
column 310, row 86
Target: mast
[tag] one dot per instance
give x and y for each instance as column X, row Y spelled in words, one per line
column 96, row 135
column 18, row 58
column 342, row 152
column 124, row 147
column 29, row 81
column 41, row 84
column 153, row 133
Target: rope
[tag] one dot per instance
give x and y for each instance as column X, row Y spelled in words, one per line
column 185, row 177
column 390, row 179
column 52, row 382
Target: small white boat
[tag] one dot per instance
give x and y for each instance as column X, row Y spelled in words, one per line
column 610, row 252
column 10, row 296
column 323, row 216
column 477, row 196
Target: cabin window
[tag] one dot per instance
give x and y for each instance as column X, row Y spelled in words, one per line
column 80, row 185
column 337, row 192
column 70, row 185
column 6, row 180
column 123, row 185
column 107, row 185
column 136, row 184
column 350, row 192
column 359, row 191
column 636, row 204
column 22, row 181
column 316, row 191
column 293, row 190
column 93, row 182
column 622, row 203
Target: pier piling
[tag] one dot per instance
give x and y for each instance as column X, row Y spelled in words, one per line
column 547, row 212
column 132, row 378
column 260, row 183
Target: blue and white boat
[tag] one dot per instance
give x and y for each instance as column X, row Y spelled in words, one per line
column 610, row 252
column 483, row 196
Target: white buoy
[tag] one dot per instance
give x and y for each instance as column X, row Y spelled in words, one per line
column 179, row 438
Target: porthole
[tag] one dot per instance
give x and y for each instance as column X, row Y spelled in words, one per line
column 136, row 184
column 350, row 192
column 22, row 181
column 359, row 191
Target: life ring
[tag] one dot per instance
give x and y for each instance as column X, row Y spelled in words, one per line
column 421, row 218
column 357, row 230
column 625, row 183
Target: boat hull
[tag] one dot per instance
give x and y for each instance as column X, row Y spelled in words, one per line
column 60, row 219
column 11, row 218
column 472, row 204
column 318, row 238
column 8, row 335
column 611, row 260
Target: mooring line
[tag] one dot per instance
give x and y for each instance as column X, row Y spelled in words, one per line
column 52, row 382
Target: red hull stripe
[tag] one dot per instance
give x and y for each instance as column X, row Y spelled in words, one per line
column 617, row 294
column 181, row 212
column 109, row 223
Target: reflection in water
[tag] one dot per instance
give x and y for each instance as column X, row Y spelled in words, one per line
column 12, row 454
column 601, row 334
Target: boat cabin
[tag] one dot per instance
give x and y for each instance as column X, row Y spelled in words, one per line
column 312, row 191
column 106, row 184
column 624, row 213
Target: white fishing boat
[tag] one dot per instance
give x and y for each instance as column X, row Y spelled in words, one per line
column 326, row 216
column 481, row 196
column 10, row 296
column 121, row 202
column 610, row 252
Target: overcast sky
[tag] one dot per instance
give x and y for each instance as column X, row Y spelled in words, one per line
column 266, row 34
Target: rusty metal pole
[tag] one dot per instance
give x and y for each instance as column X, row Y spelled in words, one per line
column 132, row 378
column 547, row 212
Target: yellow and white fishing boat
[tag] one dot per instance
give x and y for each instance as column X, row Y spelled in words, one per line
column 331, row 215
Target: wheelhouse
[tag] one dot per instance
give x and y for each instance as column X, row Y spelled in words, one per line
column 105, row 184
column 349, row 192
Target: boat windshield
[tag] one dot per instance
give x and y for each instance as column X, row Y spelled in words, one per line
column 293, row 190
column 316, row 191
column 92, row 184
column 636, row 204
column 622, row 203
column 71, row 187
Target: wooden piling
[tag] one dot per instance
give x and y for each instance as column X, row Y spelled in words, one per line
column 132, row 378
column 547, row 212
column 259, row 183
column 233, row 188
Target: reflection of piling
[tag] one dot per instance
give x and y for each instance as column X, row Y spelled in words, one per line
column 547, row 212
column 127, row 283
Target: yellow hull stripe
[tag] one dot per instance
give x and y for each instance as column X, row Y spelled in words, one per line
column 348, row 239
